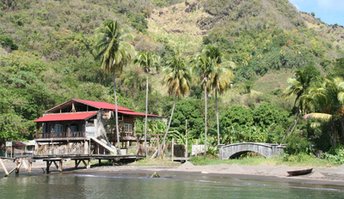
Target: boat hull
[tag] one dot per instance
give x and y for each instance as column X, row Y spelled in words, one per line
column 300, row 172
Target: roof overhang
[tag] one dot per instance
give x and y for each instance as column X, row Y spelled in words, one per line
column 75, row 116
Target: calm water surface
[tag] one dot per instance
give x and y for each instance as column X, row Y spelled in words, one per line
column 89, row 186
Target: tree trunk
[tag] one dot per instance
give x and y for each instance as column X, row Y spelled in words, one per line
column 341, row 120
column 186, row 138
column 333, row 135
column 169, row 124
column 146, row 117
column 217, row 118
column 205, row 116
column 116, row 113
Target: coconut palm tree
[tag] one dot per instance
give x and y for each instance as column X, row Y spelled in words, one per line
column 220, row 77
column 206, row 65
column 220, row 81
column 146, row 60
column 204, row 68
column 114, row 54
column 328, row 106
column 300, row 84
column 178, row 80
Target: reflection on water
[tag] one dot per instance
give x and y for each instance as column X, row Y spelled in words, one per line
column 171, row 186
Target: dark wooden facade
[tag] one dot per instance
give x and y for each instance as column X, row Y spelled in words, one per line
column 84, row 127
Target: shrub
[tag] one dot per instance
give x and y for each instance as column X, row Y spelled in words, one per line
column 336, row 155
column 8, row 43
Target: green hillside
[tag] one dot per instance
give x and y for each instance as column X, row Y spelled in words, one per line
column 47, row 56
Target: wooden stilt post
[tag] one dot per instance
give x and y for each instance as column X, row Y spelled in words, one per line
column 60, row 165
column 76, row 163
column 87, row 163
column 3, row 167
column 29, row 169
column 89, row 147
column 48, row 166
column 18, row 165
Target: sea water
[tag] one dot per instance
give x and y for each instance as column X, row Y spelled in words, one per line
column 168, row 186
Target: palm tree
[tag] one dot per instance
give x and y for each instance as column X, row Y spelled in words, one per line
column 220, row 78
column 206, row 65
column 300, row 84
column 177, row 79
column 146, row 60
column 204, row 68
column 328, row 106
column 220, row 81
column 114, row 54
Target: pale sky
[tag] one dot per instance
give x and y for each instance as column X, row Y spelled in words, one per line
column 329, row 11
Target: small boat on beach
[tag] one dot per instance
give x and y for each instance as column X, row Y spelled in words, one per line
column 300, row 172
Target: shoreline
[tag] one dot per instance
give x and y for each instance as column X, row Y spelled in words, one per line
column 319, row 176
column 313, row 178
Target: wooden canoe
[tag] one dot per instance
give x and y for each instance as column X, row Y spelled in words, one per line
column 300, row 172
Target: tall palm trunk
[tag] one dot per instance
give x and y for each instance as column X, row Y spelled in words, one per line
column 116, row 112
column 205, row 116
column 169, row 124
column 146, row 117
column 217, row 118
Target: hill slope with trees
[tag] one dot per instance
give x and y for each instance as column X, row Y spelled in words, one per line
column 48, row 55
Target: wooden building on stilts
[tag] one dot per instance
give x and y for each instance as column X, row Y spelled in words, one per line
column 83, row 127
column 83, row 130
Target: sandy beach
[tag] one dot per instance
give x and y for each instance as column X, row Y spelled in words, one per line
column 320, row 175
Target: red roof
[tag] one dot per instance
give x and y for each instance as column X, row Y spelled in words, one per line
column 108, row 106
column 50, row 117
column 66, row 116
column 101, row 105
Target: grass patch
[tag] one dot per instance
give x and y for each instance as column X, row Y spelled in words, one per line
column 241, row 161
column 306, row 160
column 290, row 160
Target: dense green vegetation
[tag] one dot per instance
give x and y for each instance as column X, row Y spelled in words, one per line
column 51, row 52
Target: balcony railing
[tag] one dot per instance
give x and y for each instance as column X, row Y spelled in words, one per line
column 124, row 136
column 78, row 134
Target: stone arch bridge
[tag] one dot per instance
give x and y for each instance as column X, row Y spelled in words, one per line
column 264, row 149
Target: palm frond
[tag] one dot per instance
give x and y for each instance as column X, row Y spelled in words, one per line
column 318, row 116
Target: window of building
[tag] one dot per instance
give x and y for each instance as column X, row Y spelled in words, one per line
column 128, row 127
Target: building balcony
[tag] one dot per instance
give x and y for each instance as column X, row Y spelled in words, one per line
column 78, row 134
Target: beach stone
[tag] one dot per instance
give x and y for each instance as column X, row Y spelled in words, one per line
column 186, row 165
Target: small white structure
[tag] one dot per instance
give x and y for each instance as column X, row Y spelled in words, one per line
column 198, row 149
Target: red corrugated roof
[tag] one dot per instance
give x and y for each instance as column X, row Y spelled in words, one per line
column 101, row 105
column 108, row 106
column 66, row 116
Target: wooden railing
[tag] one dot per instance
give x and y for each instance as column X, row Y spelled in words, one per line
column 123, row 136
column 61, row 135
